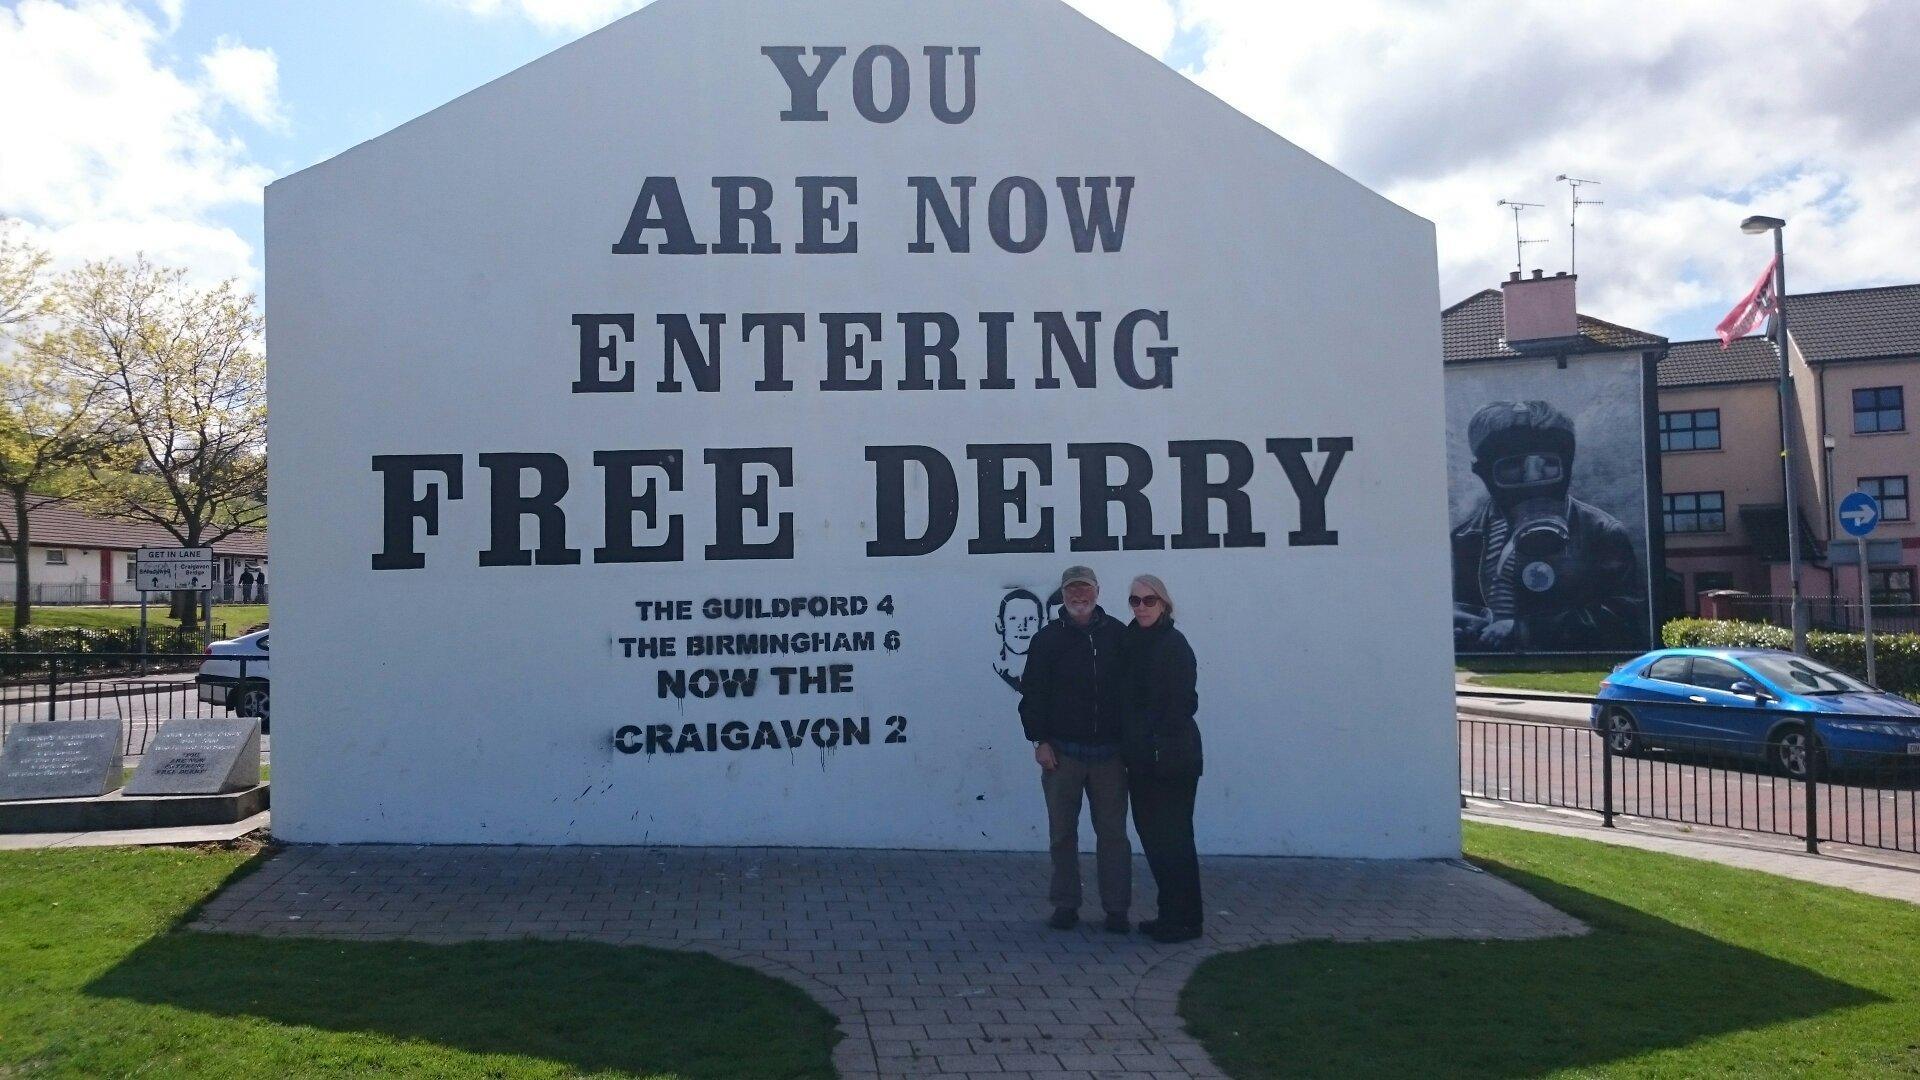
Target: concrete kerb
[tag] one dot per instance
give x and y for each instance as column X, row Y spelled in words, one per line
column 932, row 963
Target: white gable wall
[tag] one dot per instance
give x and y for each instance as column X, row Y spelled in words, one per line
column 420, row 292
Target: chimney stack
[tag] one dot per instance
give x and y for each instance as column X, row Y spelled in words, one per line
column 1540, row 308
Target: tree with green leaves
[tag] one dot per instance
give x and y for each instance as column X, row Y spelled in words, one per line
column 183, row 370
column 52, row 425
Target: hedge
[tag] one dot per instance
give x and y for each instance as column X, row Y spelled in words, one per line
column 88, row 649
column 1896, row 657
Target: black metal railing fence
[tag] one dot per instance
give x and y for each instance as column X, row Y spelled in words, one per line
column 1776, row 785
column 143, row 690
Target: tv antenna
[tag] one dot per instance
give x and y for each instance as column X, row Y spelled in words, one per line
column 1574, row 185
column 1519, row 244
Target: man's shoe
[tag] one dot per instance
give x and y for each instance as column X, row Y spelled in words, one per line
column 1064, row 918
column 1167, row 934
column 1118, row 924
column 1150, row 926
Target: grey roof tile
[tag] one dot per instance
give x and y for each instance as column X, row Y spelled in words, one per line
column 1705, row 363
column 1853, row 324
column 1474, row 329
column 54, row 523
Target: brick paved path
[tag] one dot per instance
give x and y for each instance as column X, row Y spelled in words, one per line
column 935, row 963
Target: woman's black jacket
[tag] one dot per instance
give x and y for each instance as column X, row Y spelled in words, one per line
column 1158, row 734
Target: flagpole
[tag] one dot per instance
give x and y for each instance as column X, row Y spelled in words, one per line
column 1777, row 227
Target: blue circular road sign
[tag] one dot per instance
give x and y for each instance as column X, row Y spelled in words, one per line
column 1859, row 513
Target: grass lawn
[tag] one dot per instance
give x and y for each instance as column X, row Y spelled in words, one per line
column 1565, row 682
column 237, row 617
column 97, row 983
column 1692, row 969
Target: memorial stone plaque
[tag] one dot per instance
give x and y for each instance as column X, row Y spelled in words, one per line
column 200, row 756
column 61, row 759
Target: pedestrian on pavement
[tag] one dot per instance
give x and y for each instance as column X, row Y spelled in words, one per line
column 1070, row 708
column 1162, row 750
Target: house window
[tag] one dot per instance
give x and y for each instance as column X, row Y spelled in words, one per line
column 56, row 557
column 1690, row 429
column 1891, row 491
column 1707, row 580
column 1879, row 408
column 6, row 552
column 129, row 568
column 1694, row 511
column 1893, row 585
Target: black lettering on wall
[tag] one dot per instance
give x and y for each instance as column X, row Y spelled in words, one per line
column 898, row 92
column 622, row 503
column 1197, row 493
column 919, row 350
column 598, row 355
column 821, row 200
column 996, row 323
column 703, row 365
column 1100, row 221
column 995, row 495
column 773, row 347
column 847, row 351
column 1162, row 356
column 509, row 505
column 400, row 509
column 732, row 502
column 803, row 86
column 937, row 72
column 735, row 213
column 1033, row 216
column 1311, row 490
column 890, row 500
column 1080, row 358
column 659, row 207
column 1097, row 492
column 955, row 228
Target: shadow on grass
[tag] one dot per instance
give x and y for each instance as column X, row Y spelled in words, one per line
column 1636, row 984
column 589, row 1008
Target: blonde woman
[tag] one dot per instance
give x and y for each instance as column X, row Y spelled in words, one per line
column 1161, row 744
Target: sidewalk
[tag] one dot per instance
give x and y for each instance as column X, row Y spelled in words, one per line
column 192, row 834
column 1895, row 875
column 1536, row 706
column 935, row 963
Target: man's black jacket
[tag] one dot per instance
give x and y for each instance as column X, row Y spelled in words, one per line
column 1072, row 684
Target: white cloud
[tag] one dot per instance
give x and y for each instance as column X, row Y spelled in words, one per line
column 1691, row 114
column 246, row 78
column 1148, row 25
column 122, row 151
column 557, row 15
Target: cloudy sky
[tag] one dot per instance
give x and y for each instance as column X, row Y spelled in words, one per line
column 153, row 124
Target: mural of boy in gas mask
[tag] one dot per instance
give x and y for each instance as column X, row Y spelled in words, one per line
column 1534, row 568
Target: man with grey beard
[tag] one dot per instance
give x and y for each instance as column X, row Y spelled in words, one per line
column 1070, row 708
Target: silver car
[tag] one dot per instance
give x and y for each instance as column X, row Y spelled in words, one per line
column 239, row 686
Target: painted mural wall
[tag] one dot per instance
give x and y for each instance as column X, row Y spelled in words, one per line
column 1548, row 492
column 711, row 406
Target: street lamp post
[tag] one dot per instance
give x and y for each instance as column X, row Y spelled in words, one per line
column 1754, row 226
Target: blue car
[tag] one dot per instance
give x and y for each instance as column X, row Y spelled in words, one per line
column 1767, row 700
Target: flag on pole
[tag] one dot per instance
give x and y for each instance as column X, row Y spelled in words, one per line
column 1758, row 304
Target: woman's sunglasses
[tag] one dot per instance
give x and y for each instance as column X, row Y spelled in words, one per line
column 1143, row 601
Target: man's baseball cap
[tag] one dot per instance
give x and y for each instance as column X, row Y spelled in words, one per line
column 1078, row 574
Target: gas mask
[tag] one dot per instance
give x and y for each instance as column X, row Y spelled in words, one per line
column 1530, row 488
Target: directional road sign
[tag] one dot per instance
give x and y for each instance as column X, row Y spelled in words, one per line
column 173, row 569
column 1859, row 513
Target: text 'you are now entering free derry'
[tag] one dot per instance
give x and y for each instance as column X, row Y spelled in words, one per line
column 768, row 363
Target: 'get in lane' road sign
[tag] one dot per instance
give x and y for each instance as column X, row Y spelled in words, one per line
column 173, row 569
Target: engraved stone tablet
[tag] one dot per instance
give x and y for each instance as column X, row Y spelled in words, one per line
column 196, row 756
column 61, row 759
